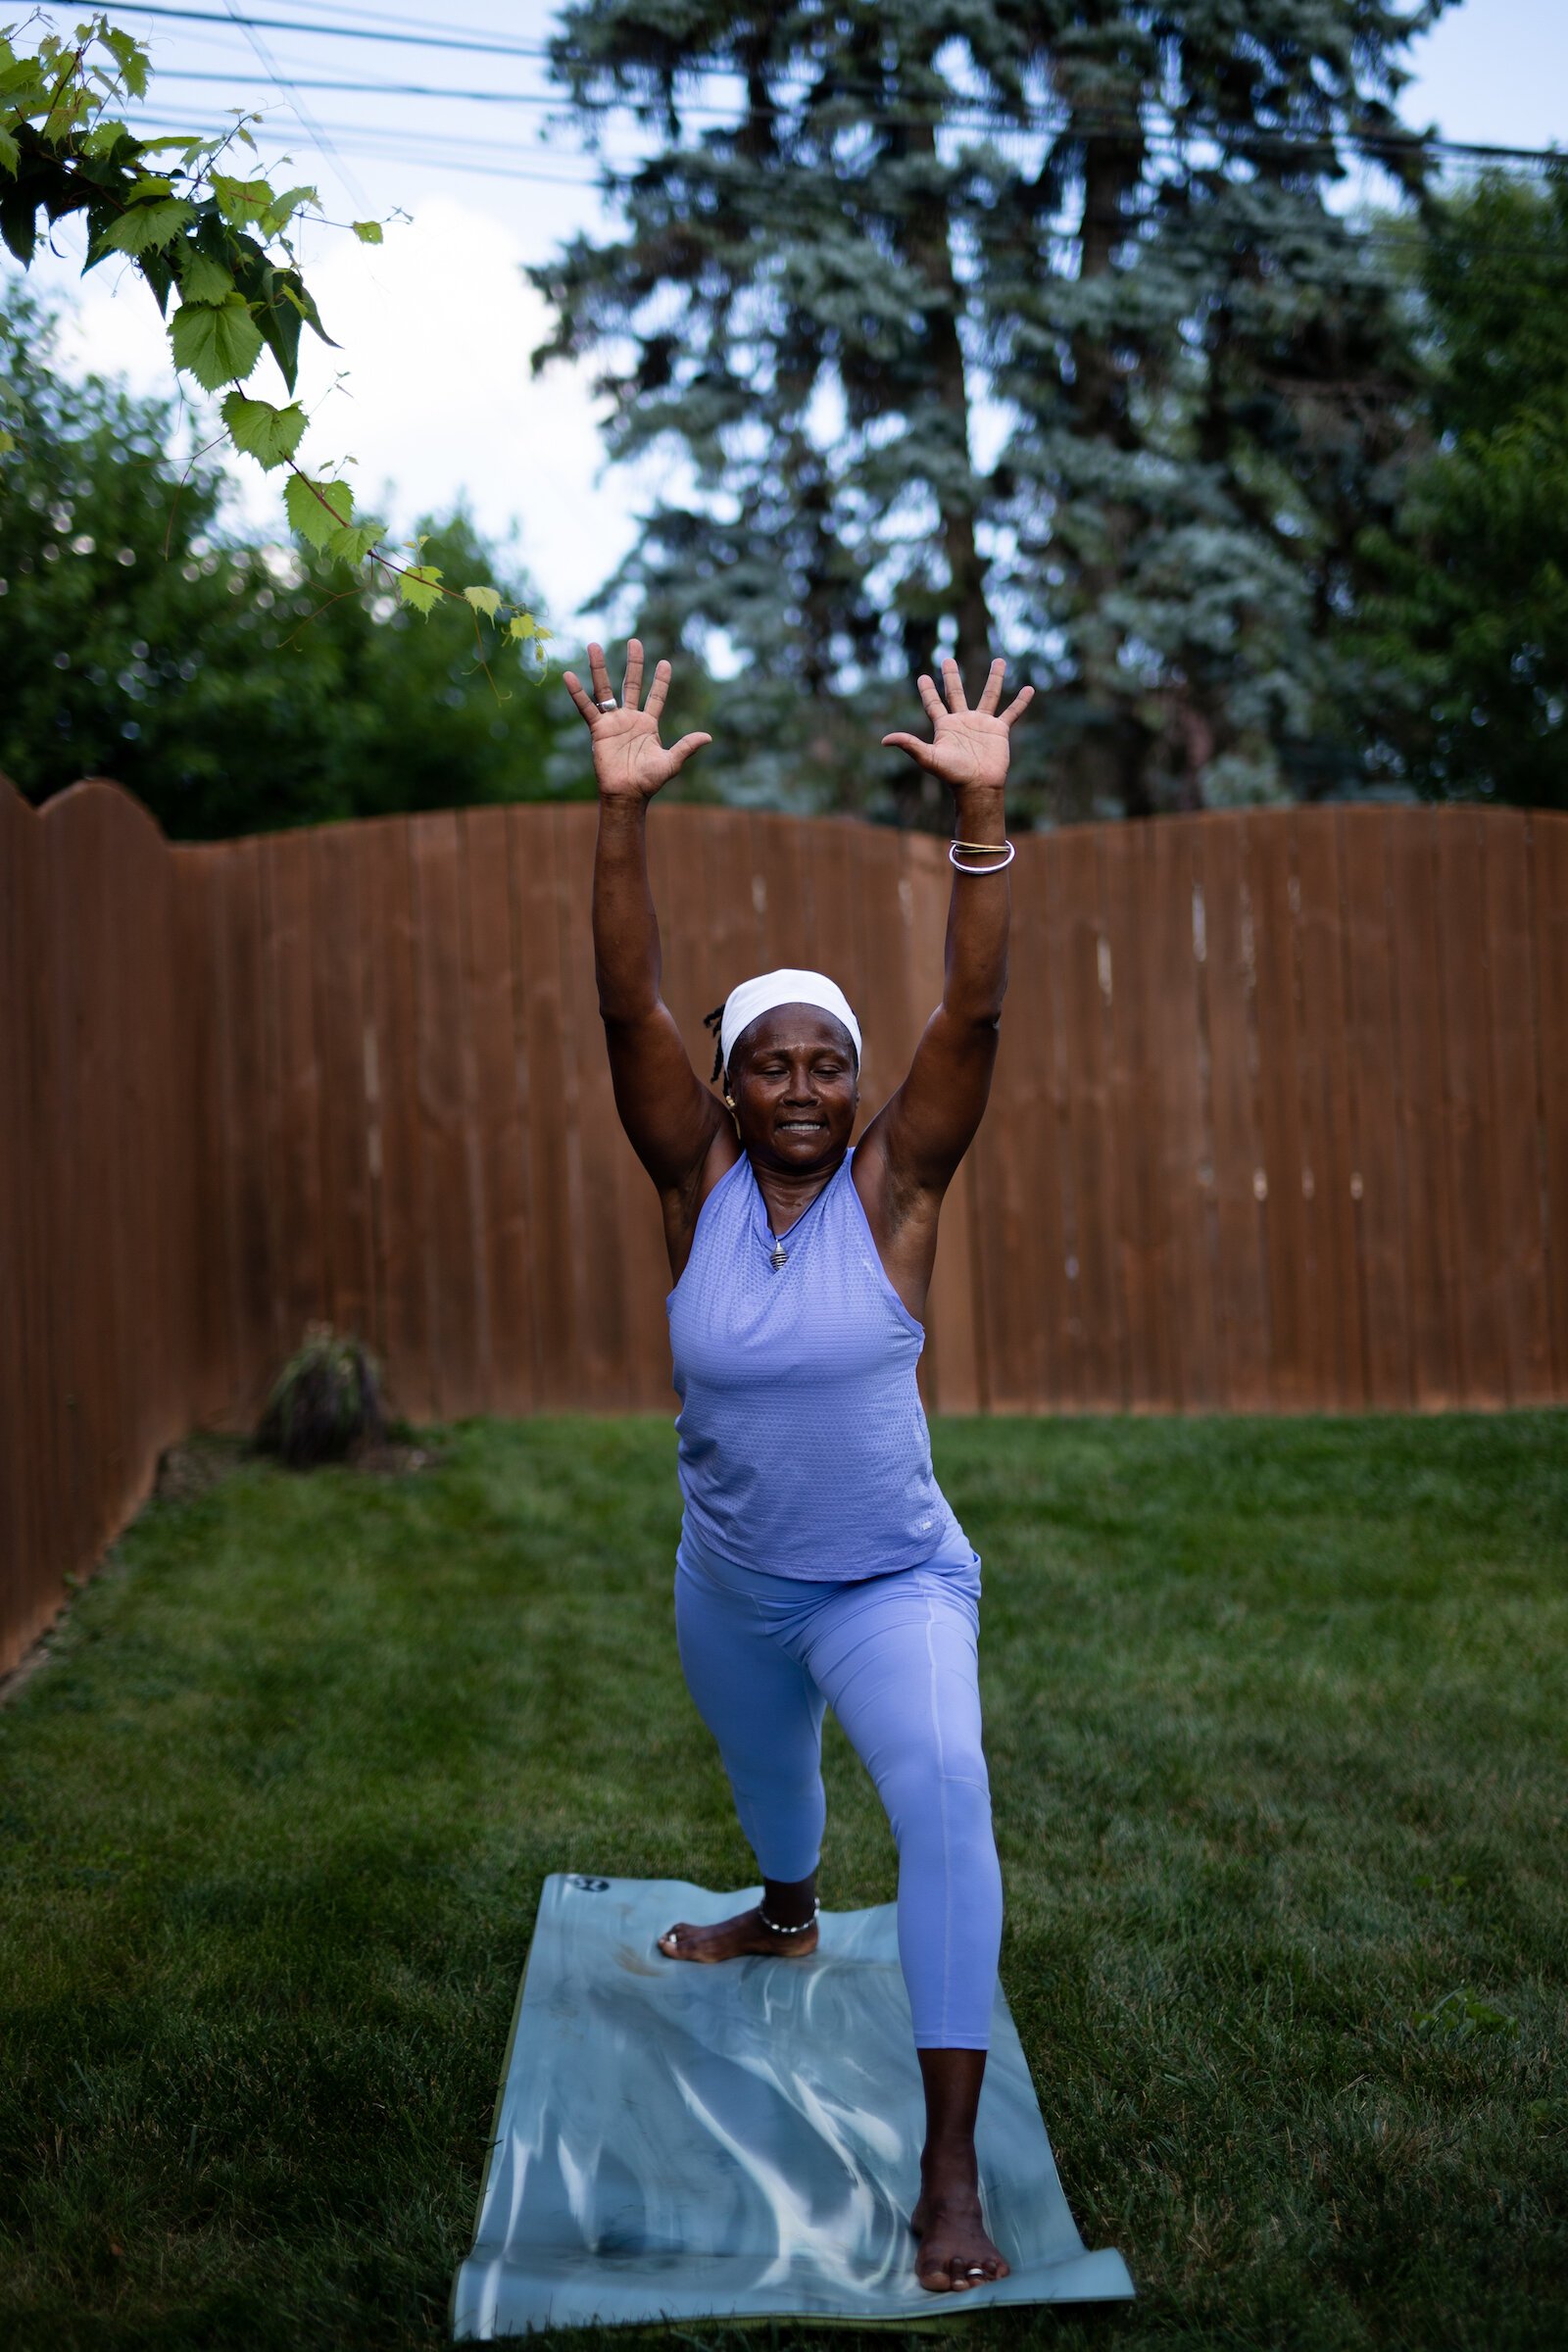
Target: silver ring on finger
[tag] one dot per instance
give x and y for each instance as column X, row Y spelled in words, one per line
column 610, row 704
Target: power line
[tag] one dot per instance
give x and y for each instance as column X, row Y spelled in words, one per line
column 366, row 90
column 405, row 144
column 336, row 33
column 423, row 149
column 412, row 148
column 307, row 122
column 1159, row 140
column 367, row 16
column 972, row 111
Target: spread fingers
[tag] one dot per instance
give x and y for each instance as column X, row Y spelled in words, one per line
column 991, row 691
column 657, row 691
column 574, row 687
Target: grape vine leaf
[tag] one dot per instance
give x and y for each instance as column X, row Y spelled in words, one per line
column 352, row 542
column 242, row 201
column 283, row 209
column 484, row 600
column 104, row 136
column 269, row 435
column 522, row 625
column 146, row 226
column 369, row 232
column 130, row 57
column 217, row 342
column 318, row 509
column 202, row 279
column 418, row 586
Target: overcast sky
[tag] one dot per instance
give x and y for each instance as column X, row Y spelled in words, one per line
column 435, row 326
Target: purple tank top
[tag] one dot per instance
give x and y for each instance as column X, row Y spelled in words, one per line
column 803, row 1445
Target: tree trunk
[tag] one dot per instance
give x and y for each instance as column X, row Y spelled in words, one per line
column 932, row 254
column 1113, row 166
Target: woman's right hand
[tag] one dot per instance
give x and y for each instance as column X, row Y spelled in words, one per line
column 629, row 761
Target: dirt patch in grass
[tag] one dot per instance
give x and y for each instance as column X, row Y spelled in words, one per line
column 204, row 1460
column 196, row 1466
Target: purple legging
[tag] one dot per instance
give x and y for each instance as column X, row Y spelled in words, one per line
column 896, row 1656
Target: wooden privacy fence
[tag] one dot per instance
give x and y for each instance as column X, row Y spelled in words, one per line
column 1280, row 1120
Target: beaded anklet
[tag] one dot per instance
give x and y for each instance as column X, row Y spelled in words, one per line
column 775, row 1929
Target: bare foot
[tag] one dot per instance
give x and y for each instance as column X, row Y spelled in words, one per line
column 947, row 2223
column 735, row 1938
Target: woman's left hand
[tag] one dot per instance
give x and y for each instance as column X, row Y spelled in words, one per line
column 972, row 746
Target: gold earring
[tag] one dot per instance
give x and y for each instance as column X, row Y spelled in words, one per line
column 730, row 1102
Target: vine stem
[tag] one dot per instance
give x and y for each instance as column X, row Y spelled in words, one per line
column 388, row 563
column 179, row 487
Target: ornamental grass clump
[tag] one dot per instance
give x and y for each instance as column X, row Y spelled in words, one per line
column 326, row 1403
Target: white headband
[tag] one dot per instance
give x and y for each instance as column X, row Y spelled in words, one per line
column 754, row 998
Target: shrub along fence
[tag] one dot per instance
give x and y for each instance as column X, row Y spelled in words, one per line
column 1280, row 1120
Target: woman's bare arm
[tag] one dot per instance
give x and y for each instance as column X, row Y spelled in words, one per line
column 669, row 1115
column 925, row 1129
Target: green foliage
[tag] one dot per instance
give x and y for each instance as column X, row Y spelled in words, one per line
column 420, row 585
column 217, row 342
column 220, row 240
column 317, row 510
column 266, row 433
column 324, row 1402
column 1468, row 632
column 1463, row 2013
column 148, row 227
column 1106, row 226
column 234, row 686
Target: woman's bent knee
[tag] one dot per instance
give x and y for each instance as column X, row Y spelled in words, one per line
column 920, row 1796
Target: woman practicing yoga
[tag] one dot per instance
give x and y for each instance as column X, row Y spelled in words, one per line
column 819, row 1561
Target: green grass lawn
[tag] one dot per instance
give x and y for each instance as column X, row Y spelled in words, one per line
column 1276, row 1716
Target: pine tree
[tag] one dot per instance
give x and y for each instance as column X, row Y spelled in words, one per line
column 1015, row 326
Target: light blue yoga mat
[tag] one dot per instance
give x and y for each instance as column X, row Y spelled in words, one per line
column 674, row 2141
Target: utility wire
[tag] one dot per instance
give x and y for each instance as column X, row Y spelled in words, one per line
column 364, row 140
column 967, row 112
column 367, row 16
column 363, row 89
column 425, row 150
column 336, row 33
column 307, row 122
column 1155, row 135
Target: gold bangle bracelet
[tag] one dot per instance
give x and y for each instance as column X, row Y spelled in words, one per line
column 997, row 846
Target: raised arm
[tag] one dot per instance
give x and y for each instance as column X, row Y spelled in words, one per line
column 669, row 1115
column 925, row 1129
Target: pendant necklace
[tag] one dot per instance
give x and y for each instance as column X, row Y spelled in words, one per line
column 778, row 1256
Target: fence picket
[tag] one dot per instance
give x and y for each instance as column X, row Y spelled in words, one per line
column 1548, row 859
column 1463, row 841
column 1513, row 1013
column 1333, row 1304
column 1237, row 1146
column 1425, row 1189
